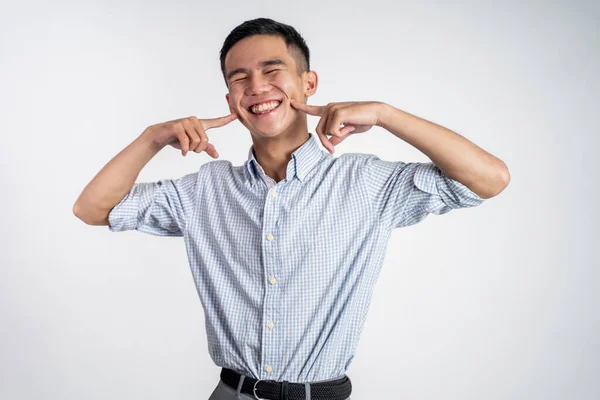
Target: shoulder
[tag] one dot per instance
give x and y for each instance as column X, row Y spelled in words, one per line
column 353, row 158
column 356, row 161
column 221, row 170
column 216, row 167
column 350, row 166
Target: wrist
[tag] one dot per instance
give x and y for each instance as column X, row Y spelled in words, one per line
column 384, row 115
column 146, row 139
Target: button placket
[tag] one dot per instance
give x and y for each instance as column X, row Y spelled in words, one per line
column 272, row 257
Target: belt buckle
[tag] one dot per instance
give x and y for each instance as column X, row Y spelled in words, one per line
column 254, row 390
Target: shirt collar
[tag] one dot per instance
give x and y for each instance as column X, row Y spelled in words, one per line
column 304, row 158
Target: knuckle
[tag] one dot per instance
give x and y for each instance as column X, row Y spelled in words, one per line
column 201, row 130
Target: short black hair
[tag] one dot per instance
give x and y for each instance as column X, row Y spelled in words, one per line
column 266, row 26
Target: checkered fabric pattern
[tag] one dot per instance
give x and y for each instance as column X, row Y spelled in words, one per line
column 285, row 270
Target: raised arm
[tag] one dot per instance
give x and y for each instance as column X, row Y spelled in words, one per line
column 118, row 176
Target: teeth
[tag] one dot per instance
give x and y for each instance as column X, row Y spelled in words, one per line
column 264, row 107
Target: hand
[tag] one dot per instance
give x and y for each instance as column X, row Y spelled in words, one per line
column 356, row 117
column 187, row 134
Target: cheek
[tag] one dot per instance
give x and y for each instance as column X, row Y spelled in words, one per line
column 236, row 102
column 235, row 93
column 285, row 84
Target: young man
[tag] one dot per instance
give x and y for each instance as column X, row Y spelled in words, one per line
column 286, row 249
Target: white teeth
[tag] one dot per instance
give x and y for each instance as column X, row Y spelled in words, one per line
column 264, row 107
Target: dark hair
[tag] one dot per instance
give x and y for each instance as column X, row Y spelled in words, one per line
column 267, row 26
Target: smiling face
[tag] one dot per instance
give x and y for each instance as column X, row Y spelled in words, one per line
column 262, row 76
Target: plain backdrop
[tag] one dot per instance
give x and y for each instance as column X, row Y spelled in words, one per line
column 495, row 302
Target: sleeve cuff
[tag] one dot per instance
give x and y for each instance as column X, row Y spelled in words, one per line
column 125, row 215
column 429, row 178
column 425, row 178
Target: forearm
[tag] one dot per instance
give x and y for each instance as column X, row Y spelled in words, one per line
column 114, row 181
column 459, row 158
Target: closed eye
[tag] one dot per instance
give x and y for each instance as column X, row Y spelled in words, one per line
column 273, row 70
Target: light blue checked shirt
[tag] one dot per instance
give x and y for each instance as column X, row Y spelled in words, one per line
column 285, row 270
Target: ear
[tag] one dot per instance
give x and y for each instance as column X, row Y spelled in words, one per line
column 310, row 82
column 228, row 103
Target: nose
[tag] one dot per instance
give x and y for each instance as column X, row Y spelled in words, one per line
column 257, row 85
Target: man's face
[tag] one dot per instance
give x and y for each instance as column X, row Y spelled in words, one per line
column 261, row 74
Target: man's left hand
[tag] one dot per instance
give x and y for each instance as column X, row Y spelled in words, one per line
column 340, row 120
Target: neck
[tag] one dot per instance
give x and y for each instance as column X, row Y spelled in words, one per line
column 274, row 153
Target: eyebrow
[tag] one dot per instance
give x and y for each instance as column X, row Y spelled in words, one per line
column 262, row 64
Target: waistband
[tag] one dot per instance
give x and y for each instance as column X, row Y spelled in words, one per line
column 329, row 389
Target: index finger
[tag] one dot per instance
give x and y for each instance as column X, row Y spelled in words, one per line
column 312, row 110
column 217, row 122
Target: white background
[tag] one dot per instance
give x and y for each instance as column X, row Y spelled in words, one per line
column 496, row 302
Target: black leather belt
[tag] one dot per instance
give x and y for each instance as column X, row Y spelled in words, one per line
column 339, row 389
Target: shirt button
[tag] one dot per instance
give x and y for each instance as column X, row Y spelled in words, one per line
column 272, row 281
column 270, row 237
column 271, row 325
column 274, row 193
column 268, row 368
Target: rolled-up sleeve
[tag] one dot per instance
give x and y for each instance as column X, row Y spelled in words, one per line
column 403, row 194
column 158, row 208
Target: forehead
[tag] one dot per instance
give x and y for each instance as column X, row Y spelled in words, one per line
column 248, row 52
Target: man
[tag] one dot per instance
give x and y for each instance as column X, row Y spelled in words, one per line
column 286, row 249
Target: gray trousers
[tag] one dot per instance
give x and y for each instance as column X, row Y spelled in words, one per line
column 224, row 392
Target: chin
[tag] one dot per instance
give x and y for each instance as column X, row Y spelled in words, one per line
column 267, row 134
column 268, row 131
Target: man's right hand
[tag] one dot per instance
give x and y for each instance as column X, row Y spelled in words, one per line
column 187, row 134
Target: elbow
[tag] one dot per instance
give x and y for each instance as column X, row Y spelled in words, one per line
column 496, row 183
column 77, row 211
column 502, row 179
column 80, row 212
column 88, row 216
column 505, row 177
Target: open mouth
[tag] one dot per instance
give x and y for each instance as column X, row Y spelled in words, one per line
column 264, row 109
